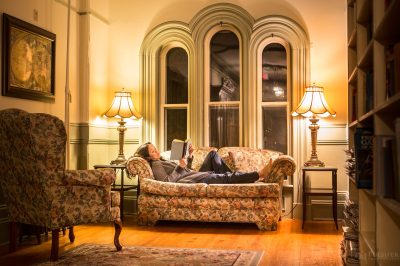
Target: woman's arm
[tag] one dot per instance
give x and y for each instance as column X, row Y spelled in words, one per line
column 166, row 171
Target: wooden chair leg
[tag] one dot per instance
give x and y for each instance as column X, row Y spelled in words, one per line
column 54, row 244
column 118, row 229
column 71, row 234
column 13, row 236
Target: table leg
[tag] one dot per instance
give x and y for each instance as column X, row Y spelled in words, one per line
column 304, row 201
column 122, row 195
column 334, row 198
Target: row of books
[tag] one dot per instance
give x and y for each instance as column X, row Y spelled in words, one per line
column 349, row 247
column 392, row 56
column 379, row 156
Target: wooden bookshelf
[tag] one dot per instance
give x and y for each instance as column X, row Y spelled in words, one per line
column 374, row 40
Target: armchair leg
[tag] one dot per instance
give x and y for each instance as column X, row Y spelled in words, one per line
column 54, row 244
column 71, row 234
column 13, row 236
column 118, row 229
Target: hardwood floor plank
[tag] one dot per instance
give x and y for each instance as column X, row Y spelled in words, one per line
column 317, row 244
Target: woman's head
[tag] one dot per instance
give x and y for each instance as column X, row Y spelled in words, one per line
column 148, row 151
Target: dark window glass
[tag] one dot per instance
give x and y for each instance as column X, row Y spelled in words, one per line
column 175, row 125
column 177, row 76
column 274, row 73
column 275, row 128
column 224, row 67
column 224, row 126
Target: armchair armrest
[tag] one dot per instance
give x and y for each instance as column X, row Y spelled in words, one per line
column 282, row 166
column 99, row 177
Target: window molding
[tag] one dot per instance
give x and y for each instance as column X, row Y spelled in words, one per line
column 252, row 35
column 161, row 36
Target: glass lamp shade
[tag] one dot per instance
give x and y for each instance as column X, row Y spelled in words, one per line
column 122, row 106
column 314, row 103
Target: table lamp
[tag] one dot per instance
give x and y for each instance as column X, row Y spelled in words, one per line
column 122, row 107
column 312, row 105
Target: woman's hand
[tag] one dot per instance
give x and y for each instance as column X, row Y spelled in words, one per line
column 182, row 162
column 191, row 150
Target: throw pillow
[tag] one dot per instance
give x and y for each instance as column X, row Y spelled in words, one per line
column 247, row 161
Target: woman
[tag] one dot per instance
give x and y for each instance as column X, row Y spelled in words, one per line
column 213, row 170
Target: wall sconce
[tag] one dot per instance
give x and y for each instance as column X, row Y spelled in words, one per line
column 122, row 107
column 312, row 105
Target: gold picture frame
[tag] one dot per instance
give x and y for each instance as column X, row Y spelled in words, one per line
column 28, row 60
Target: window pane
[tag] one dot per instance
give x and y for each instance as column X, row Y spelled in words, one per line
column 224, row 126
column 275, row 128
column 177, row 76
column 274, row 73
column 224, row 67
column 175, row 125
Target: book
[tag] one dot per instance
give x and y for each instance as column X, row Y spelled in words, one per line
column 179, row 149
column 363, row 149
column 396, row 158
column 384, row 171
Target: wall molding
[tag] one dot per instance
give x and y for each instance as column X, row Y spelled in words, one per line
column 91, row 12
column 102, row 141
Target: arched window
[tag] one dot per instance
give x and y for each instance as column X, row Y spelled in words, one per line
column 274, row 98
column 224, row 90
column 175, row 95
column 242, row 76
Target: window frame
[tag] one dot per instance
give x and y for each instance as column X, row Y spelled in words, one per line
column 206, row 88
column 261, row 104
column 163, row 90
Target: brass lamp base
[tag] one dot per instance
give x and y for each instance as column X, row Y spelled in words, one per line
column 121, row 157
column 314, row 162
column 119, row 160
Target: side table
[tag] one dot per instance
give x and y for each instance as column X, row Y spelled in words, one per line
column 120, row 188
column 332, row 191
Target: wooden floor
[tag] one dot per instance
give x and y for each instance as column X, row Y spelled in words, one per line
column 317, row 244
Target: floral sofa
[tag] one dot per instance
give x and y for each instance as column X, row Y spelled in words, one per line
column 257, row 203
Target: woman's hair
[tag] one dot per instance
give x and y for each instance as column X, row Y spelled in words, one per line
column 143, row 151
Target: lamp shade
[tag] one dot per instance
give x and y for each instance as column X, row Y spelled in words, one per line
column 122, row 106
column 314, row 103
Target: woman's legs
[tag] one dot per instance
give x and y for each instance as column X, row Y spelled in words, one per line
column 231, row 178
column 213, row 162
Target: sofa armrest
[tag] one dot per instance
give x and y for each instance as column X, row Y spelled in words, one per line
column 282, row 166
column 140, row 167
column 99, row 177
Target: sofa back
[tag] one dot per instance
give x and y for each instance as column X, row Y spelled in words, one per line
column 242, row 159
column 245, row 159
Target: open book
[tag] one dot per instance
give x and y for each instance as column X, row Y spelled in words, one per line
column 179, row 149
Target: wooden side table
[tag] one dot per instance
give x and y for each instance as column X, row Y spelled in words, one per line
column 332, row 192
column 120, row 188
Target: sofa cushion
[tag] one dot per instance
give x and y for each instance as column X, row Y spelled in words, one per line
column 152, row 186
column 199, row 154
column 254, row 190
column 244, row 159
column 192, row 203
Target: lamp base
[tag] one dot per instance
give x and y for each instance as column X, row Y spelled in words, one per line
column 119, row 160
column 314, row 162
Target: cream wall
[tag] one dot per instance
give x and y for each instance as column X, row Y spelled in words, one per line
column 52, row 17
column 105, row 43
column 324, row 22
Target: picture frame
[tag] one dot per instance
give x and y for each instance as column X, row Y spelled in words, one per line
column 28, row 61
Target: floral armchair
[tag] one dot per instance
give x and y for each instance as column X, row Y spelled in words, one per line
column 37, row 188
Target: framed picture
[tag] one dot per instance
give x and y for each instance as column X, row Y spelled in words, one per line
column 28, row 60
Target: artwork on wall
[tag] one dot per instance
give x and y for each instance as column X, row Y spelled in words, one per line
column 28, row 60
